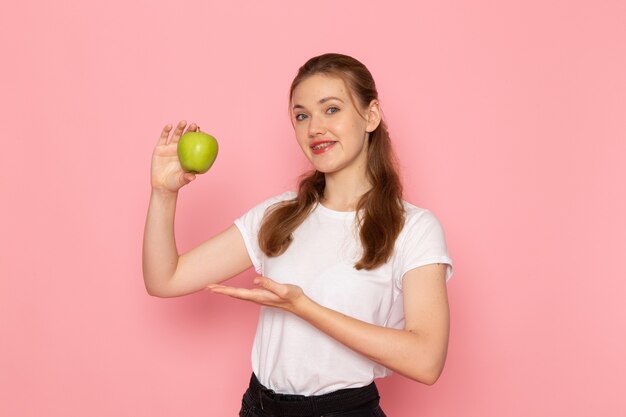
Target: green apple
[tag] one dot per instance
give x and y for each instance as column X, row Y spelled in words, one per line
column 197, row 152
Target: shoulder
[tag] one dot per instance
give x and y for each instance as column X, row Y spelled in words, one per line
column 422, row 240
column 261, row 208
column 420, row 226
column 277, row 199
column 418, row 217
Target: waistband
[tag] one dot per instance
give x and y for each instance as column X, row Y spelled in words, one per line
column 301, row 405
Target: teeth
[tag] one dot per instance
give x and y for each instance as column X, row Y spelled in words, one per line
column 322, row 145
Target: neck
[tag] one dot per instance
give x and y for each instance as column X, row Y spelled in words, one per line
column 343, row 192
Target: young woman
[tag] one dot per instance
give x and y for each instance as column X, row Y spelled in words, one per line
column 352, row 279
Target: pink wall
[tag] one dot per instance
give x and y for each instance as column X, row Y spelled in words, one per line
column 509, row 118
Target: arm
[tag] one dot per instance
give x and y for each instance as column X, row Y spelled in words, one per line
column 166, row 273
column 418, row 351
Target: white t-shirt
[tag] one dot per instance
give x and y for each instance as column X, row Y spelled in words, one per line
column 291, row 356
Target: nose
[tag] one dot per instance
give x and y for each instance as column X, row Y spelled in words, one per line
column 316, row 126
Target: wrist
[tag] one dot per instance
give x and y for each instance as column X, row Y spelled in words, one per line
column 163, row 199
column 303, row 305
column 164, row 194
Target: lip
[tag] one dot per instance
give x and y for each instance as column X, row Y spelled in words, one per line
column 324, row 149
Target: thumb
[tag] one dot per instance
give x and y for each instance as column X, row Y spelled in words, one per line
column 186, row 178
column 265, row 282
column 280, row 290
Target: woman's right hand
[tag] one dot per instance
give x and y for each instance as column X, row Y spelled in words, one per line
column 167, row 174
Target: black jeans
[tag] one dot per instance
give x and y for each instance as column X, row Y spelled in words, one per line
column 259, row 401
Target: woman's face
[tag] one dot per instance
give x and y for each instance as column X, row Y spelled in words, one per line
column 331, row 131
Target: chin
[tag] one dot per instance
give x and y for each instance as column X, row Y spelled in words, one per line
column 325, row 169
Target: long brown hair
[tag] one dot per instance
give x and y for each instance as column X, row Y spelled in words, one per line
column 380, row 210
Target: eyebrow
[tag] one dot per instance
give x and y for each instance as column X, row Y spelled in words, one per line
column 322, row 101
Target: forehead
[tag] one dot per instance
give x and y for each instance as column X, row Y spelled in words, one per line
column 319, row 86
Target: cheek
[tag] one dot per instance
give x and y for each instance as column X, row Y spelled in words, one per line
column 352, row 126
column 301, row 137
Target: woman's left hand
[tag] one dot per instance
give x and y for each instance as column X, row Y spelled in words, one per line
column 267, row 293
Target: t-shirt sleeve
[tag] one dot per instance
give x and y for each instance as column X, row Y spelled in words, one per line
column 250, row 223
column 423, row 243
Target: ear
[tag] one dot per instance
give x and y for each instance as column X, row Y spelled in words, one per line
column 373, row 116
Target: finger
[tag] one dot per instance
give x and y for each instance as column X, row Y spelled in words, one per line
column 257, row 295
column 192, row 128
column 226, row 290
column 164, row 134
column 179, row 131
column 239, row 293
column 283, row 291
column 268, row 284
column 188, row 177
column 185, row 178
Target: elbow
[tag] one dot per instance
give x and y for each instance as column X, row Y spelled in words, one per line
column 432, row 376
column 158, row 284
column 160, row 294
column 427, row 371
column 434, row 367
column 426, row 376
column 428, row 361
column 167, row 289
column 153, row 292
column 158, row 291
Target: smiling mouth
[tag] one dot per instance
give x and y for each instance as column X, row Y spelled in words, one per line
column 321, row 145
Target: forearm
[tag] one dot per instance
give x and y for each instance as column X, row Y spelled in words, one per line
column 160, row 256
column 416, row 356
column 417, row 352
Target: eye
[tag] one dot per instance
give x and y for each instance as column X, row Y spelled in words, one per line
column 332, row 110
column 300, row 117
